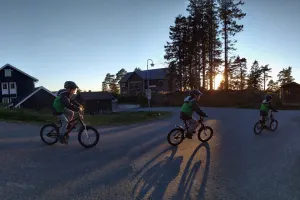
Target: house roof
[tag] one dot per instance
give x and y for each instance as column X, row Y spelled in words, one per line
column 159, row 73
column 9, row 65
column 30, row 95
column 96, row 96
column 290, row 84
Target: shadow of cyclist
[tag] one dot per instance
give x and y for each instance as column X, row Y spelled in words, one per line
column 189, row 174
column 154, row 181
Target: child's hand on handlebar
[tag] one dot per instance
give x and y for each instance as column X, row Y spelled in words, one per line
column 81, row 108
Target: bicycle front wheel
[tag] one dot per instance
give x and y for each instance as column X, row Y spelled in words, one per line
column 258, row 128
column 88, row 136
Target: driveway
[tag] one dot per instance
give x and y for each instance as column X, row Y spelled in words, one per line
column 136, row 162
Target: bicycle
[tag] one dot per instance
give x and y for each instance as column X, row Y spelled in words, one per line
column 54, row 132
column 261, row 125
column 180, row 132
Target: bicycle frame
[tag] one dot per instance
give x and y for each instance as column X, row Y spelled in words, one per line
column 271, row 117
column 186, row 126
column 78, row 118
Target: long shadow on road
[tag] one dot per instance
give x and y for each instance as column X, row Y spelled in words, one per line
column 189, row 175
column 154, row 181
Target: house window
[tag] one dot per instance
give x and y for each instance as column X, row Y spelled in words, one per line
column 160, row 83
column 4, row 86
column 123, row 85
column 12, row 85
column 7, row 73
column 5, row 100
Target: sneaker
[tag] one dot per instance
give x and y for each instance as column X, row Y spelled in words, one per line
column 189, row 136
column 63, row 139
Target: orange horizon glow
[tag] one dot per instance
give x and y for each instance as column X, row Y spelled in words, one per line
column 218, row 79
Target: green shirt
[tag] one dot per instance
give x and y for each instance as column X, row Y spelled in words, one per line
column 265, row 106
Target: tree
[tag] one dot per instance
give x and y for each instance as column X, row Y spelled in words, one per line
column 114, row 86
column 265, row 71
column 238, row 73
column 104, row 86
column 229, row 12
column 285, row 76
column 120, row 74
column 195, row 47
column 255, row 76
column 175, row 51
column 137, row 69
column 214, row 43
column 272, row 86
column 109, row 82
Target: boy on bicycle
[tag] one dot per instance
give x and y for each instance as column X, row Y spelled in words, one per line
column 265, row 107
column 189, row 106
column 64, row 105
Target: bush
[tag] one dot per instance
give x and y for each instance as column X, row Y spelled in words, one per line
column 140, row 99
column 249, row 98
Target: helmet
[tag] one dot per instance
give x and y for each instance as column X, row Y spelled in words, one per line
column 70, row 84
column 194, row 93
column 268, row 97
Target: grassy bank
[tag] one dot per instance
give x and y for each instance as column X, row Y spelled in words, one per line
column 122, row 118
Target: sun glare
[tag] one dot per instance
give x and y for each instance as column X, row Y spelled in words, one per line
column 218, row 80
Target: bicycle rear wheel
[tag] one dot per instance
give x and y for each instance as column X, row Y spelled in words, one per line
column 273, row 125
column 87, row 132
column 177, row 134
column 50, row 137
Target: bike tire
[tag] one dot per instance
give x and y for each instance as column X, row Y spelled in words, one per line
column 81, row 131
column 42, row 135
column 260, row 129
column 273, row 122
column 206, row 128
column 181, row 136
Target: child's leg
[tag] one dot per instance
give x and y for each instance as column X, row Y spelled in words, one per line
column 64, row 122
column 262, row 116
column 69, row 114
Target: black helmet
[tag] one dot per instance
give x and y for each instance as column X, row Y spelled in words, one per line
column 268, row 97
column 70, row 84
column 194, row 93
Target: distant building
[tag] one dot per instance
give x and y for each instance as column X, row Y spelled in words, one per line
column 134, row 83
column 18, row 90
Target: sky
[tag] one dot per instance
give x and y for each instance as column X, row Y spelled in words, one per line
column 78, row 40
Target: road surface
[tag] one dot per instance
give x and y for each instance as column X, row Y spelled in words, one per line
column 136, row 162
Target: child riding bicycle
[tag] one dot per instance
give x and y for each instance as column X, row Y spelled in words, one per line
column 186, row 113
column 64, row 105
column 265, row 107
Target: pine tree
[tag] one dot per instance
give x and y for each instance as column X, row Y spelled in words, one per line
column 285, row 76
column 255, row 76
column 272, row 86
column 137, row 69
column 175, row 51
column 214, row 43
column 104, row 86
column 238, row 73
column 120, row 74
column 265, row 71
column 109, row 82
column 113, row 85
column 229, row 13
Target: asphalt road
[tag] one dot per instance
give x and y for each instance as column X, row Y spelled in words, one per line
column 136, row 162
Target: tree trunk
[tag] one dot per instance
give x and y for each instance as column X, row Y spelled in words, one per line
column 226, row 58
column 203, row 67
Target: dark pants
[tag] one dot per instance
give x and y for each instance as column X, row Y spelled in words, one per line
column 263, row 115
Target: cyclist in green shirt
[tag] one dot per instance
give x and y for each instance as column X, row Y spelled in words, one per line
column 189, row 106
column 265, row 107
column 64, row 105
